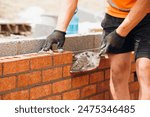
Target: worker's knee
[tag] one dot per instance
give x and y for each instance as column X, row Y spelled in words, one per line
column 120, row 68
column 120, row 73
column 120, row 63
column 143, row 71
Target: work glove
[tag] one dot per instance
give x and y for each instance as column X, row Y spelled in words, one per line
column 57, row 37
column 111, row 40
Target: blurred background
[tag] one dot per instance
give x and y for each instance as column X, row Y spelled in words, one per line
column 42, row 14
column 9, row 9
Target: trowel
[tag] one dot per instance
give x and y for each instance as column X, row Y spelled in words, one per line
column 88, row 60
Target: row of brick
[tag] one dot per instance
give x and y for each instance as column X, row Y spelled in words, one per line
column 24, row 63
column 90, row 90
column 64, row 89
column 49, row 76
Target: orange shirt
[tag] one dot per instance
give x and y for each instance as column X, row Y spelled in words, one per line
column 123, row 4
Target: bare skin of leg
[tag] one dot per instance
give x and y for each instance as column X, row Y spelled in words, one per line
column 119, row 75
column 143, row 72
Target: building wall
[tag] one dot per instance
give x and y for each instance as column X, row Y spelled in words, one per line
column 47, row 77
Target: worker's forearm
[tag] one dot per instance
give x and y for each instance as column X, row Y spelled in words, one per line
column 137, row 13
column 67, row 10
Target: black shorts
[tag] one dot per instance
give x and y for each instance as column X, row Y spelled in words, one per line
column 138, row 40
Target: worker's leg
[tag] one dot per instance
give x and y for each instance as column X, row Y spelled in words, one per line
column 142, row 55
column 120, row 73
column 119, row 59
column 143, row 72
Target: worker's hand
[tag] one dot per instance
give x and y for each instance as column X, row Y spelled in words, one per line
column 114, row 40
column 57, row 37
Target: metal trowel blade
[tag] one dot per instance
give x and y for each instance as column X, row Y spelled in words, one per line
column 85, row 62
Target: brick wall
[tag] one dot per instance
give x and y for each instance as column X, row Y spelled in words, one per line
column 44, row 76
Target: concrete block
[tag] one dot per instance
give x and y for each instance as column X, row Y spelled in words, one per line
column 75, row 43
column 97, row 41
column 30, row 46
column 8, row 48
column 79, row 42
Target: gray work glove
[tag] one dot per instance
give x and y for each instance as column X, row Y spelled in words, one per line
column 57, row 37
column 111, row 40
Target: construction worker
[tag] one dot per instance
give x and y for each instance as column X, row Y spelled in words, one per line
column 126, row 27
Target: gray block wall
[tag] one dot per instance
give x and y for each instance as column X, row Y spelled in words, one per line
column 25, row 45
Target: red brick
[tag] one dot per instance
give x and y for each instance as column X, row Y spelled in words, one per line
column 134, row 86
column 107, row 74
column 131, row 79
column 40, row 91
column 20, row 95
column 66, row 71
column 52, row 74
column 97, row 97
column 0, row 69
column 56, row 97
column 15, row 65
column 132, row 56
column 111, row 98
column 41, row 61
column 88, row 90
column 71, row 95
column 104, row 63
column 96, row 77
column 80, row 81
column 29, row 79
column 133, row 67
column 64, row 58
column 0, row 97
column 107, row 95
column 135, row 95
column 61, row 86
column 104, row 86
column 7, row 83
